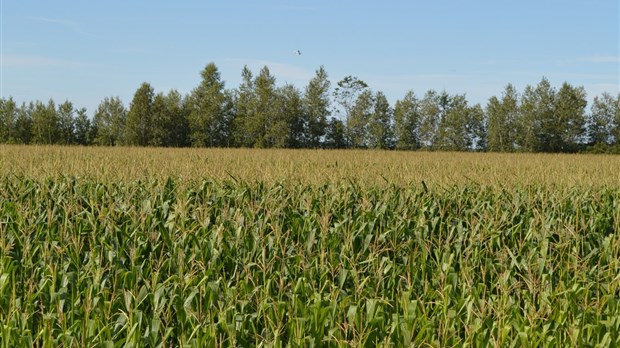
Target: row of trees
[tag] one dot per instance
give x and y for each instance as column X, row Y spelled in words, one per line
column 260, row 114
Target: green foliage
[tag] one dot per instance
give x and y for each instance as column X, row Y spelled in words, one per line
column 8, row 116
column 210, row 117
column 430, row 117
column 570, row 113
column 177, row 108
column 83, row 128
column 358, row 121
column 552, row 121
column 139, row 124
column 335, row 137
column 407, row 122
column 261, row 114
column 459, row 124
column 380, row 130
column 352, row 95
column 287, row 127
column 66, row 123
column 221, row 263
column 109, row 122
column 23, row 124
column 44, row 123
column 170, row 121
column 316, row 109
column 604, row 121
column 264, row 122
column 245, row 110
column 502, row 118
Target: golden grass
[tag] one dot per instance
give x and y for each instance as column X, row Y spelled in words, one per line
column 313, row 167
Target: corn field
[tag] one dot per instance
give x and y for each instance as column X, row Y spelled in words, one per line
column 156, row 259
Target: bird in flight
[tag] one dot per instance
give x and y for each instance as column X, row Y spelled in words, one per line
column 297, row 52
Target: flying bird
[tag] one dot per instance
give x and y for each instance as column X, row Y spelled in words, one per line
column 297, row 52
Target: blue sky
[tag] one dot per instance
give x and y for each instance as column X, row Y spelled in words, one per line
column 83, row 51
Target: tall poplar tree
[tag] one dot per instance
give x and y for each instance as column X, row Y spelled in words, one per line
column 502, row 120
column 265, row 117
column 44, row 123
column 346, row 95
column 83, row 128
column 245, row 108
column 8, row 116
column 139, row 126
column 210, row 114
column 23, row 124
column 161, row 122
column 108, row 126
column 357, row 126
column 66, row 123
column 316, row 109
column 527, row 125
column 407, row 122
column 545, row 123
column 570, row 115
column 178, row 110
column 286, row 127
column 604, row 120
column 453, row 131
column 430, row 117
column 380, row 131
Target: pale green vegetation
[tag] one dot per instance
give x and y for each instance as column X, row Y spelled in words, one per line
column 311, row 167
column 130, row 247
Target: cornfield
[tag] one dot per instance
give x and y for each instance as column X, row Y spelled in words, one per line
column 226, row 251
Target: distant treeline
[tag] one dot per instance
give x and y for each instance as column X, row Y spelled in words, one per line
column 261, row 114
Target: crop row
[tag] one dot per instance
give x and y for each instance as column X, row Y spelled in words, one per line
column 225, row 263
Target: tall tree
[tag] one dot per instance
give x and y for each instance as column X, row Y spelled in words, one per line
column 109, row 122
column 139, row 126
column 8, row 116
column 335, row 134
column 286, row 128
column 83, row 135
column 44, row 123
column 346, row 96
column 23, row 124
column 66, row 123
column 380, row 131
column 546, row 125
column 552, row 121
column 178, row 109
column 502, row 120
column 430, row 117
column 316, row 105
column 453, row 132
column 210, row 114
column 407, row 122
column 615, row 130
column 161, row 127
column 245, row 108
column 570, row 118
column 528, row 122
column 359, row 120
column 604, row 120
column 263, row 119
column 477, row 129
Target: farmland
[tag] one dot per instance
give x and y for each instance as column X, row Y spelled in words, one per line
column 237, row 247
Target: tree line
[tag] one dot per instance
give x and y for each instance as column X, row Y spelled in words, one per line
column 258, row 113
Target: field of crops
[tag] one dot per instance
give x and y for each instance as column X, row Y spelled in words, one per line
column 192, row 247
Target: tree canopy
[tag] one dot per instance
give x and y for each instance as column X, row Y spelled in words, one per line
column 260, row 113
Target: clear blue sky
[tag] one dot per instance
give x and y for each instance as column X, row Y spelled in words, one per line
column 84, row 51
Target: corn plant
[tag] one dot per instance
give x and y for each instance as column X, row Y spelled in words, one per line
column 161, row 262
